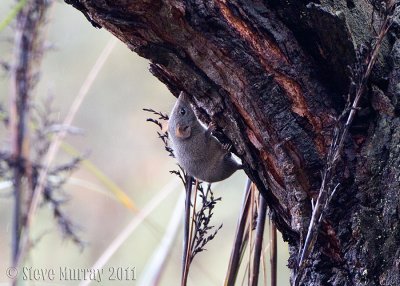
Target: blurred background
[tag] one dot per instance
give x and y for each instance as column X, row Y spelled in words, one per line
column 125, row 147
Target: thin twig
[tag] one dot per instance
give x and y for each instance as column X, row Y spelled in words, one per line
column 328, row 188
column 237, row 249
column 242, row 240
column 163, row 135
column 253, row 211
column 262, row 212
column 186, row 231
column 192, row 223
column 189, row 247
column 274, row 255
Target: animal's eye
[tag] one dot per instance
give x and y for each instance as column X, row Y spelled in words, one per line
column 182, row 111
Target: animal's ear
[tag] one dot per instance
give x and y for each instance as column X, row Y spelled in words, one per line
column 183, row 132
column 183, row 97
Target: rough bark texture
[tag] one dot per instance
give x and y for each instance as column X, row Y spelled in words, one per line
column 273, row 75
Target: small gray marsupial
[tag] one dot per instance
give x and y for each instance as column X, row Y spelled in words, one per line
column 197, row 151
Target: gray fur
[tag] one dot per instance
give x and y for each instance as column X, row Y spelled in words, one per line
column 197, row 151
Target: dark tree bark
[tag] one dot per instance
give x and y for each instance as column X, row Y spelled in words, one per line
column 273, row 75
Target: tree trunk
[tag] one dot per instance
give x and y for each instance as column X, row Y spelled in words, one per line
column 274, row 75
